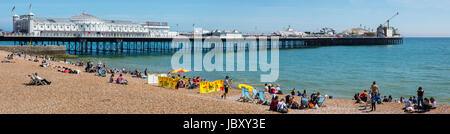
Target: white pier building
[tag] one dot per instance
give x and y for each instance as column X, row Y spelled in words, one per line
column 86, row 25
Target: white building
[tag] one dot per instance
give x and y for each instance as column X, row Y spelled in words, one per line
column 86, row 25
column 226, row 34
column 290, row 33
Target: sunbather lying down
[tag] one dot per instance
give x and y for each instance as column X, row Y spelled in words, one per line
column 7, row 61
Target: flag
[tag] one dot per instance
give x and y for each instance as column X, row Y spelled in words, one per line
column 14, row 7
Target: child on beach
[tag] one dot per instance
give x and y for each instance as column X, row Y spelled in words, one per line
column 111, row 79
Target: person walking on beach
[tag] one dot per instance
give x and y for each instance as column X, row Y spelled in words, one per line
column 226, row 84
column 420, row 93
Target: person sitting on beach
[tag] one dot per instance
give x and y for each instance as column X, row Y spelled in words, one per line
column 120, row 80
column 313, row 98
column 390, row 98
column 363, row 96
column 433, row 103
column 299, row 93
column 356, row 97
column 385, row 99
column 282, row 108
column 378, row 98
column 266, row 88
column 189, row 84
column 402, row 100
column 41, row 79
column 197, row 82
column 274, row 104
column 111, row 79
column 426, row 104
column 288, row 99
column 408, row 105
column 304, row 93
column 272, row 90
column 139, row 74
column 293, row 92
column 293, row 104
column 278, row 90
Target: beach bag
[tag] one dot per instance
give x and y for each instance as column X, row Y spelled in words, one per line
column 311, row 105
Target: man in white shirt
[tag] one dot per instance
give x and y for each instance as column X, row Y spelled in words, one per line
column 277, row 89
column 40, row 79
column 282, row 106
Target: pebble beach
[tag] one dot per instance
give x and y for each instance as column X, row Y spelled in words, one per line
column 86, row 93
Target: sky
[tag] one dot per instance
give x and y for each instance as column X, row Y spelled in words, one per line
column 429, row 18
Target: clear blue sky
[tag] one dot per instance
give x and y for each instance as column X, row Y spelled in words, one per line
column 417, row 17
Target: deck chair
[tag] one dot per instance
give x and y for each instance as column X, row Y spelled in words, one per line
column 255, row 92
column 247, row 95
column 320, row 101
column 243, row 92
column 35, row 81
column 101, row 73
column 261, row 97
column 304, row 102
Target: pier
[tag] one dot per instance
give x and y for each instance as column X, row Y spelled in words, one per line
column 124, row 45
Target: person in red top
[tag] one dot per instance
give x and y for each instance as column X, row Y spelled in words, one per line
column 274, row 104
column 196, row 81
column 363, row 96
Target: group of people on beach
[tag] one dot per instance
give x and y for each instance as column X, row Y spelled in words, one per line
column 186, row 82
column 412, row 104
column 283, row 105
column 35, row 78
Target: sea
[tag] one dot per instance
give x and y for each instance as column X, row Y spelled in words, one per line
column 338, row 71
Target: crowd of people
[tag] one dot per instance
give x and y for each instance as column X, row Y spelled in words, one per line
column 413, row 104
column 186, row 82
column 289, row 101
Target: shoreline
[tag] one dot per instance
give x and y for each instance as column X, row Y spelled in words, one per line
column 87, row 93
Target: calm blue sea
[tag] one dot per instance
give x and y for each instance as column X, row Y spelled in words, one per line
column 340, row 71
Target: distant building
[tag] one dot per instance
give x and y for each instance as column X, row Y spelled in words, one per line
column 355, row 32
column 290, row 33
column 383, row 31
column 227, row 34
column 327, row 31
column 86, row 25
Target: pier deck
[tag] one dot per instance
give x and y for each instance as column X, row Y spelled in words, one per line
column 119, row 45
